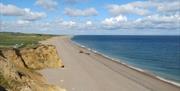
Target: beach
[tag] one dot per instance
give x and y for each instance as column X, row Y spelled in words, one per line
column 85, row 70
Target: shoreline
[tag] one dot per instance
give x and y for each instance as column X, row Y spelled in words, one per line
column 99, row 72
column 128, row 65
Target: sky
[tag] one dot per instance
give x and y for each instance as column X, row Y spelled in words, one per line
column 91, row 17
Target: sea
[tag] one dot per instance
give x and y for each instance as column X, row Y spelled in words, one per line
column 158, row 55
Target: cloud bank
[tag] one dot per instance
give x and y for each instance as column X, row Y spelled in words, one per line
column 148, row 16
column 79, row 12
column 25, row 14
column 47, row 4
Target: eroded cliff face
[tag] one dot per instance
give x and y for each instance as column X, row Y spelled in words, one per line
column 18, row 68
column 41, row 57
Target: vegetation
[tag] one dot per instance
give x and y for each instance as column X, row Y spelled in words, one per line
column 17, row 40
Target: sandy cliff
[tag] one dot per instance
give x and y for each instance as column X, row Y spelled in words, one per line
column 18, row 68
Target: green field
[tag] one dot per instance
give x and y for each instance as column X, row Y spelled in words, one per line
column 20, row 39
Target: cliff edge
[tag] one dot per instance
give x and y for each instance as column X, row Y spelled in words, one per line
column 18, row 68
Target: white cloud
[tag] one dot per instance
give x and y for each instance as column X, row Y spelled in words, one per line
column 89, row 23
column 68, row 24
column 32, row 16
column 131, row 8
column 113, row 21
column 163, row 19
column 141, row 4
column 74, row 1
column 151, row 22
column 144, row 7
column 50, row 26
column 156, row 14
column 47, row 4
column 21, row 22
column 11, row 10
column 173, row 6
column 158, row 22
column 26, row 14
column 78, row 12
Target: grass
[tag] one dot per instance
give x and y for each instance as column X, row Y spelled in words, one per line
column 20, row 39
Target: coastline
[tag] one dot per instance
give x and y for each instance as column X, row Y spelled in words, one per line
column 130, row 66
column 128, row 78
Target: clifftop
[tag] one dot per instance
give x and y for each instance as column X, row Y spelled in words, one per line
column 18, row 68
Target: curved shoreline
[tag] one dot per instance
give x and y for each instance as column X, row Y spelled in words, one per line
column 90, row 71
column 129, row 66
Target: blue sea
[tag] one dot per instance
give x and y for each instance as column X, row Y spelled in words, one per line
column 159, row 55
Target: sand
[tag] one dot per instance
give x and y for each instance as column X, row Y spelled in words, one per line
column 89, row 71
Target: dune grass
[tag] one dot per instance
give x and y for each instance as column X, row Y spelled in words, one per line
column 20, row 39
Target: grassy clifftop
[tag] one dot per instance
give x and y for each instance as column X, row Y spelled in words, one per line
column 20, row 39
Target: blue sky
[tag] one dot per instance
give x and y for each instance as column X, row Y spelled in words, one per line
column 102, row 17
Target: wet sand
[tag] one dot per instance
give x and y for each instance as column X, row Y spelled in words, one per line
column 87, row 71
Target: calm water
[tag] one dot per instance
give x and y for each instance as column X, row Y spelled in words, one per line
column 158, row 54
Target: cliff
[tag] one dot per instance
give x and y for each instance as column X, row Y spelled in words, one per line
column 18, row 68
